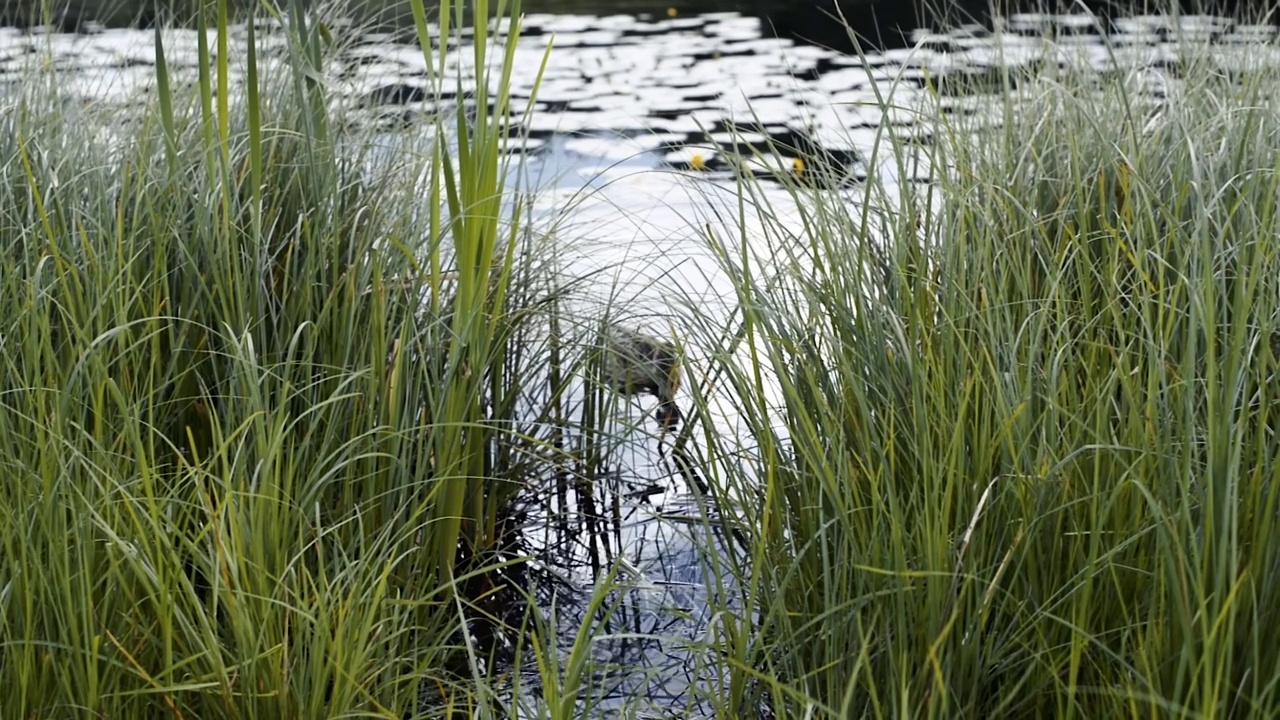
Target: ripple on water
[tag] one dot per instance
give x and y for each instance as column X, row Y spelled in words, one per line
column 613, row 147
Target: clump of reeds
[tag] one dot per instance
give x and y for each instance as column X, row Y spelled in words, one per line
column 1023, row 464
column 254, row 383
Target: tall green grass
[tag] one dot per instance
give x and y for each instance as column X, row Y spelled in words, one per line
column 1024, row 460
column 248, row 471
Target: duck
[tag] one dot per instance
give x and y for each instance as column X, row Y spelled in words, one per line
column 636, row 363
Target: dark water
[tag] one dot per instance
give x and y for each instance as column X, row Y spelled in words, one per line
column 834, row 24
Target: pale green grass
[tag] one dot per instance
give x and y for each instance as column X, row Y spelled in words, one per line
column 243, row 462
column 1028, row 456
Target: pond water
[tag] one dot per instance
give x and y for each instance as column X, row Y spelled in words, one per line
column 627, row 155
column 878, row 24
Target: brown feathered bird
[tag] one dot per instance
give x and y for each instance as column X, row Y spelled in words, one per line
column 636, row 363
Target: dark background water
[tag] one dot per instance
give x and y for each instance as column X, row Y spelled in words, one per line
column 882, row 24
column 879, row 24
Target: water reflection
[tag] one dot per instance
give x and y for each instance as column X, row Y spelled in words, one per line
column 880, row 24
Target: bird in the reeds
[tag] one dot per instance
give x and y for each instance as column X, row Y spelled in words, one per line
column 637, row 363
